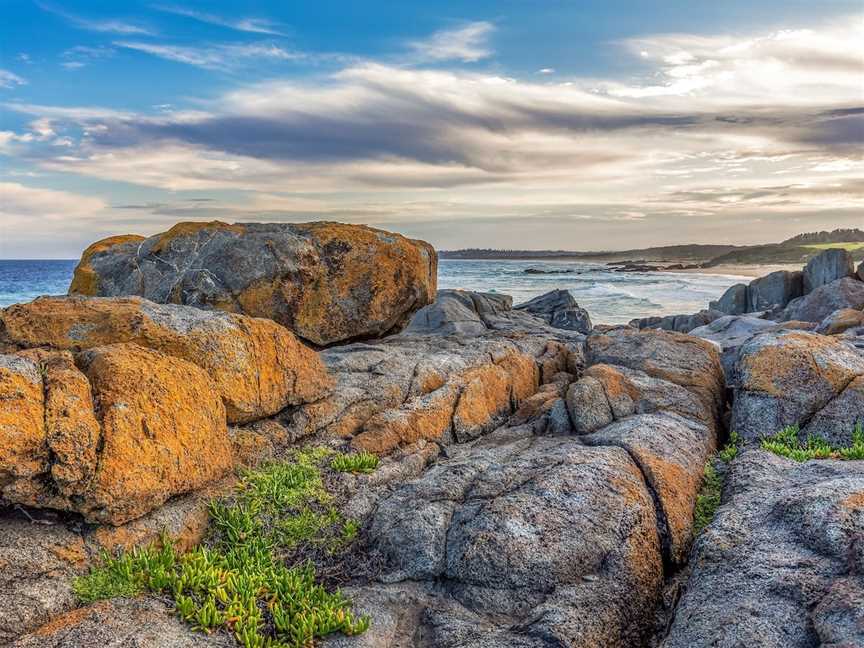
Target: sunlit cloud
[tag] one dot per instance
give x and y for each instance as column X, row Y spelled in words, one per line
column 252, row 25
column 467, row 43
column 110, row 26
column 10, row 79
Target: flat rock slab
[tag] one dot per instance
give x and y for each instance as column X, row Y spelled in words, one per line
column 781, row 565
column 326, row 282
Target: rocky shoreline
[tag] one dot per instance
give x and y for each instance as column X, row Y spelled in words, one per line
column 499, row 475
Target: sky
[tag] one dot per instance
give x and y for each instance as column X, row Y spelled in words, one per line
column 556, row 124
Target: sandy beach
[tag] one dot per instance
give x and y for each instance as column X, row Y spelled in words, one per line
column 740, row 270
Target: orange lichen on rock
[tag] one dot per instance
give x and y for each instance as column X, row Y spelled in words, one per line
column 485, row 397
column 22, row 415
column 258, row 366
column 163, row 427
column 192, row 227
column 428, row 417
column 85, row 280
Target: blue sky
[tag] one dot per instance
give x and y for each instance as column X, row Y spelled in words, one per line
column 585, row 125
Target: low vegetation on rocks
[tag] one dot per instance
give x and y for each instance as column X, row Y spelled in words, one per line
column 709, row 497
column 358, row 462
column 249, row 578
column 787, row 443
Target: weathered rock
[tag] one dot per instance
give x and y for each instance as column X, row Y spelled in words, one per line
column 733, row 301
column 327, row 282
column 687, row 361
column 458, row 312
column 837, row 421
column 133, row 623
column 258, row 366
column 781, row 565
column 120, row 436
column 671, row 451
column 774, row 290
column 824, row 300
column 730, row 332
column 827, row 267
column 679, row 323
column 606, row 393
column 840, row 321
column 22, row 420
column 860, row 272
column 559, row 309
column 786, row 378
column 509, row 528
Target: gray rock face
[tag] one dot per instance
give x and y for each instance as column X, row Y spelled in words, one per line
column 797, row 378
column 678, row 323
column 326, row 282
column 774, row 290
column 840, row 321
column 781, row 565
column 733, row 301
column 824, row 300
column 559, row 309
column 827, row 267
column 860, row 272
column 458, row 312
column 474, row 524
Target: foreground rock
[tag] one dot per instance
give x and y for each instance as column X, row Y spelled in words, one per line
column 781, row 565
column 824, row 300
column 679, row 323
column 326, row 282
column 458, row 312
column 258, row 366
column 798, row 378
column 827, row 267
column 116, row 438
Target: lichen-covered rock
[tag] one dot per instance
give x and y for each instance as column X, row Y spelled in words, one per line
column 781, row 564
column 163, row 428
column 689, row 362
column 785, row 378
column 22, row 420
column 824, row 300
column 671, row 452
column 840, row 321
column 607, row 393
column 132, row 623
column 326, row 282
column 258, row 366
column 121, row 432
column 826, row 267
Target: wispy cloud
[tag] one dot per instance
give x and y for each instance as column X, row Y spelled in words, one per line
column 81, row 56
column 251, row 25
column 106, row 25
column 215, row 57
column 467, row 43
column 10, row 79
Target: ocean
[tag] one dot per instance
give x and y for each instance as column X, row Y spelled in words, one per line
column 610, row 297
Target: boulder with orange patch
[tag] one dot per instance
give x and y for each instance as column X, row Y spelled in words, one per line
column 258, row 366
column 327, row 282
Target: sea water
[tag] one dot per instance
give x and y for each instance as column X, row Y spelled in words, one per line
column 610, row 297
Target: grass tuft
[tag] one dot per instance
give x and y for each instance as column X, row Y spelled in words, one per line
column 786, row 443
column 708, row 499
column 239, row 580
column 361, row 462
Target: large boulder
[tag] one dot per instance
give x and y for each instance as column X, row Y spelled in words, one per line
column 827, row 267
column 774, row 290
column 121, row 432
column 559, row 309
column 781, row 563
column 818, row 304
column 841, row 320
column 789, row 378
column 22, row 420
column 258, row 366
column 327, row 282
column 733, row 301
